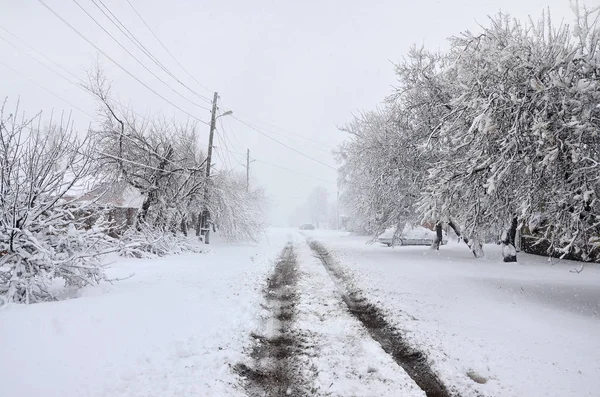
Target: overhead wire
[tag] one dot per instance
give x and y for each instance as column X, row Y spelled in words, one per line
column 280, row 167
column 118, row 64
column 48, row 90
column 314, row 144
column 80, row 110
column 136, row 59
column 225, row 137
column 40, row 62
column 238, row 119
column 288, row 134
column 166, row 49
column 219, row 150
column 253, row 127
column 283, row 144
column 72, row 105
column 67, row 71
column 295, row 172
column 136, row 42
column 79, row 85
column 192, row 77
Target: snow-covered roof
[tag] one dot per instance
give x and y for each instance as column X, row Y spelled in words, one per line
column 116, row 194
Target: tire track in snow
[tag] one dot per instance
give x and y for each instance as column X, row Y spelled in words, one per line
column 412, row 361
column 342, row 359
column 276, row 369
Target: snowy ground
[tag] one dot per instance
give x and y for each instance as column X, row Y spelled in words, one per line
column 346, row 360
column 181, row 324
column 529, row 329
column 171, row 330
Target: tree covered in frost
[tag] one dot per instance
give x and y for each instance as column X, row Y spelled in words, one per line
column 375, row 182
column 43, row 232
column 238, row 214
column 567, row 126
column 166, row 163
column 162, row 160
column 384, row 161
column 501, row 132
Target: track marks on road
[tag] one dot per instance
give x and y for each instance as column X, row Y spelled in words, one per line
column 276, row 367
column 410, row 359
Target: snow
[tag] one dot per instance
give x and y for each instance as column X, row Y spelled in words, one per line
column 173, row 329
column 529, row 329
column 345, row 358
column 116, row 194
column 508, row 250
column 179, row 324
column 411, row 232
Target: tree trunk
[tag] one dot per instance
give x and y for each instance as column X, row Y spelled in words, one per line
column 143, row 213
column 198, row 224
column 473, row 243
column 184, row 226
column 438, row 236
column 476, row 247
column 457, row 231
column 509, row 251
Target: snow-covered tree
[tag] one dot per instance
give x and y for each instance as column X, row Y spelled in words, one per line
column 566, row 167
column 45, row 235
column 526, row 97
column 238, row 214
column 166, row 163
column 498, row 133
column 384, row 161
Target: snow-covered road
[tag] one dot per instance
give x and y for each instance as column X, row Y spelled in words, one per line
column 173, row 329
column 526, row 329
column 185, row 325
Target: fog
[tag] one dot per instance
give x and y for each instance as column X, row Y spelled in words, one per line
column 295, row 70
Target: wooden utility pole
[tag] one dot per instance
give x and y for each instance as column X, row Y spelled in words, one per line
column 206, row 213
column 247, row 170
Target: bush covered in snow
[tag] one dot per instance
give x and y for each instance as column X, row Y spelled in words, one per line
column 43, row 232
column 148, row 242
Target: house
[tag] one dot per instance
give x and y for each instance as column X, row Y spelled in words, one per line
column 120, row 198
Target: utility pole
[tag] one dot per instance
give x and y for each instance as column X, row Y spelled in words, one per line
column 206, row 212
column 337, row 210
column 247, row 170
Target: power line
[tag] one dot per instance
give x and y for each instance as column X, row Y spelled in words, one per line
column 136, row 59
column 40, row 62
column 48, row 90
column 225, row 138
column 283, row 144
column 166, row 49
column 251, row 126
column 224, row 158
column 236, row 152
column 293, row 171
column 79, row 86
column 132, row 38
column 152, row 90
column 314, row 144
column 37, row 52
column 82, row 111
column 232, row 132
column 280, row 167
column 287, row 132
column 116, row 63
column 75, row 106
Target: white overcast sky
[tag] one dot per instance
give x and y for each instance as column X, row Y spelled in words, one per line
column 303, row 67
